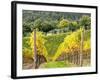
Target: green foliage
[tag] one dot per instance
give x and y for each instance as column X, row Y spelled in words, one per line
column 46, row 21
column 48, row 25
column 26, row 29
column 63, row 23
column 85, row 21
column 37, row 23
column 73, row 26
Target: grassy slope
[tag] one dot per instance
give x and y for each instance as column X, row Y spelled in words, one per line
column 53, row 41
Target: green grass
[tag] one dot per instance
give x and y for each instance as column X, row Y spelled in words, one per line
column 53, row 41
column 57, row 64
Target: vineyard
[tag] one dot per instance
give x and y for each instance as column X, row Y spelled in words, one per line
column 56, row 44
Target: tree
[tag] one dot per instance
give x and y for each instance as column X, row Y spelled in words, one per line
column 47, row 26
column 37, row 24
column 63, row 23
column 26, row 29
column 73, row 26
column 85, row 21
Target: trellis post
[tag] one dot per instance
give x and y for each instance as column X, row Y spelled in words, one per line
column 81, row 47
column 35, row 50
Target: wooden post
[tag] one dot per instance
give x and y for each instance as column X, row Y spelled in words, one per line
column 81, row 48
column 35, row 50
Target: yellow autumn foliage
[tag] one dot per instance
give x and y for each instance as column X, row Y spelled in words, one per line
column 72, row 43
column 41, row 50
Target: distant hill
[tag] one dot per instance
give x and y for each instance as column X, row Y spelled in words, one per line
column 30, row 15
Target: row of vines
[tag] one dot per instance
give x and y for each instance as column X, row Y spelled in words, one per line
column 72, row 49
column 75, row 48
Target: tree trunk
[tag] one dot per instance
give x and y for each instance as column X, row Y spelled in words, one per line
column 35, row 50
